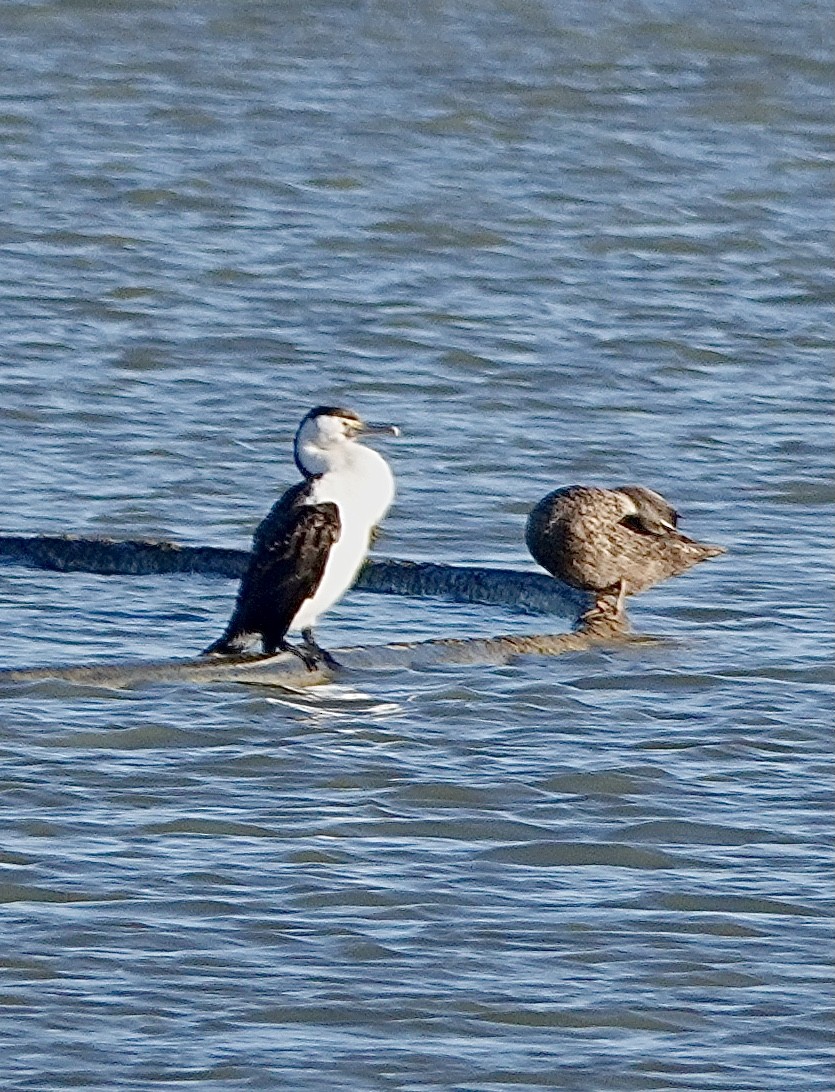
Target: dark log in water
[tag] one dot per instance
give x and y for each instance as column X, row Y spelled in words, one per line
column 535, row 592
column 287, row 670
column 111, row 557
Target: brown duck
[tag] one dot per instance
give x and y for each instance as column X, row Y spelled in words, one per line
column 612, row 543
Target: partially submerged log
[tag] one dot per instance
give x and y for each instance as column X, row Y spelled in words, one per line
column 287, row 670
column 531, row 591
column 126, row 557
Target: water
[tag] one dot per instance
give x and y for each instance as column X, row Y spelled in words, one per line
column 555, row 243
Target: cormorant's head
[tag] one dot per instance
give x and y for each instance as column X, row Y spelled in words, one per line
column 323, row 434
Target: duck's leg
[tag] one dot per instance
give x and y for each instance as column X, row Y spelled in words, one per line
column 611, row 600
column 600, row 609
column 607, row 610
column 621, row 599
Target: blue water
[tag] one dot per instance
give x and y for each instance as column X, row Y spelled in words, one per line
column 556, row 243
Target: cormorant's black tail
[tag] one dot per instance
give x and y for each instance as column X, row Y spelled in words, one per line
column 227, row 645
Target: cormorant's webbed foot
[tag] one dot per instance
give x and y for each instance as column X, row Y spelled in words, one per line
column 328, row 660
column 304, row 654
column 321, row 654
column 311, row 655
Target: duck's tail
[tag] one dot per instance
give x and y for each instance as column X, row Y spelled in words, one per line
column 700, row 551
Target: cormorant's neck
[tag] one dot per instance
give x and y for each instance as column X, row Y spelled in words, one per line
column 313, row 461
column 348, row 458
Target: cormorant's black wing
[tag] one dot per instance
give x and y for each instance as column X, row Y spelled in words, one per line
column 290, row 548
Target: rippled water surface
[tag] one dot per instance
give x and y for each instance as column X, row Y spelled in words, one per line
column 555, row 243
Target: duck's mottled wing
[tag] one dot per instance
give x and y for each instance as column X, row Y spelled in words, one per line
column 289, row 552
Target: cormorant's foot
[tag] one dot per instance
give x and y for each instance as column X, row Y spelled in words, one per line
column 304, row 653
column 312, row 656
column 321, row 654
column 328, row 660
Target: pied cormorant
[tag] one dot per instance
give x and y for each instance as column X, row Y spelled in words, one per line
column 309, row 548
